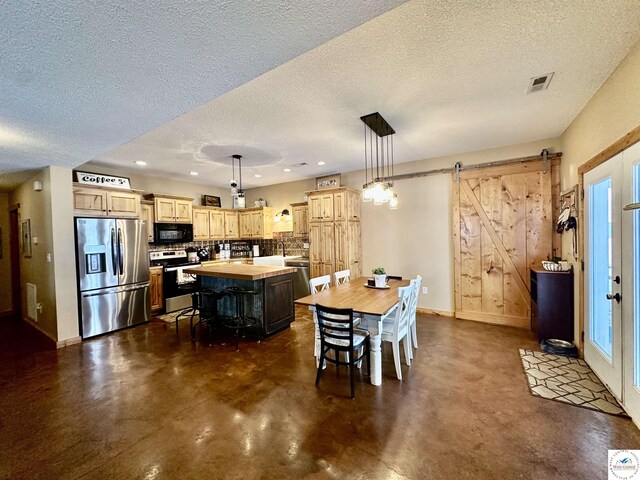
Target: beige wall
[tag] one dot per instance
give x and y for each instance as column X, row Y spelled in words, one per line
column 5, row 264
column 64, row 258
column 167, row 186
column 416, row 238
column 51, row 215
column 279, row 197
column 612, row 112
column 36, row 206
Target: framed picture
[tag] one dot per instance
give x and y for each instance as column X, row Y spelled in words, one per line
column 26, row 238
column 210, row 201
column 329, row 181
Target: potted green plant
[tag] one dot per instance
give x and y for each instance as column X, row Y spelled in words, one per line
column 380, row 277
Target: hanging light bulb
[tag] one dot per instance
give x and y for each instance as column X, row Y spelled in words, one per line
column 393, row 203
column 367, row 193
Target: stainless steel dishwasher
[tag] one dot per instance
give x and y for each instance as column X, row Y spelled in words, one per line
column 301, row 278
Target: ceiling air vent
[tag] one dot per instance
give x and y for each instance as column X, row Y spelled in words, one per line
column 539, row 83
column 301, row 164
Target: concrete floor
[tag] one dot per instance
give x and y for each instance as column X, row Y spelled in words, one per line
column 144, row 403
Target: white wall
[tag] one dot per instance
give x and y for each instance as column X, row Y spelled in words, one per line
column 612, row 113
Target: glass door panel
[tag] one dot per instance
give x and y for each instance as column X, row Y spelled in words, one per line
column 601, row 255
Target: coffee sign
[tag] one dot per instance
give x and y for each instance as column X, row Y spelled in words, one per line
column 99, row 180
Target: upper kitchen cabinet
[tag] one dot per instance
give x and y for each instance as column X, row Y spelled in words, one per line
column 201, row 223
column 216, row 224
column 97, row 201
column 300, row 212
column 335, row 204
column 146, row 214
column 171, row 209
column 231, row 225
column 256, row 222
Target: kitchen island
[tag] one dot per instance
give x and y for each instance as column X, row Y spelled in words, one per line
column 272, row 305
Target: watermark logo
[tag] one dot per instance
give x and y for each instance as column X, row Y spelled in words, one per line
column 624, row 464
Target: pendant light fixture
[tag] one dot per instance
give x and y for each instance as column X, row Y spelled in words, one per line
column 236, row 187
column 378, row 148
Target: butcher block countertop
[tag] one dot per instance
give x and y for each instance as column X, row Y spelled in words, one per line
column 241, row 272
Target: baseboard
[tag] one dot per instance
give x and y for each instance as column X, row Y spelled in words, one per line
column 48, row 337
column 506, row 320
column 7, row 314
column 68, row 342
column 437, row 313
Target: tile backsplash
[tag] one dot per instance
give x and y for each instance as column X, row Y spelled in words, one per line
column 293, row 246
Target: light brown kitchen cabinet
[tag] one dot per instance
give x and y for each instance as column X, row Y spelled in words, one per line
column 201, row 226
column 216, row 225
column 231, row 225
column 171, row 209
column 146, row 214
column 334, row 231
column 246, row 229
column 155, row 288
column 256, row 222
column 96, row 201
column 300, row 213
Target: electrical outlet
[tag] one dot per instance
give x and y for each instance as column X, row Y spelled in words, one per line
column 49, row 257
column 425, row 290
column 305, row 245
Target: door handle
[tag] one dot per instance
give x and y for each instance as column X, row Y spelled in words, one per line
column 615, row 297
column 120, row 248
column 113, row 252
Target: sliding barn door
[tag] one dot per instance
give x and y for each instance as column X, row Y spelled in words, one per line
column 503, row 224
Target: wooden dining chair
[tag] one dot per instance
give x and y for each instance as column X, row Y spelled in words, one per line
column 319, row 284
column 341, row 277
column 397, row 328
column 337, row 334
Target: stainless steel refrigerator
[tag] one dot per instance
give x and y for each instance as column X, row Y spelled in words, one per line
column 113, row 274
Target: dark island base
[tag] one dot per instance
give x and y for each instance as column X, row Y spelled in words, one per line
column 273, row 305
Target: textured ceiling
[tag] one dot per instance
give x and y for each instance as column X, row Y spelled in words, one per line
column 450, row 77
column 79, row 78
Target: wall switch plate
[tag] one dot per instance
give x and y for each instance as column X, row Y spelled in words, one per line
column 425, row 290
column 34, row 240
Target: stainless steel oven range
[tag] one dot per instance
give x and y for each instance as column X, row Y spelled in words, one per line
column 175, row 283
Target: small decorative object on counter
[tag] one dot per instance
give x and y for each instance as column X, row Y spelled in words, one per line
column 380, row 276
column 561, row 266
column 260, row 203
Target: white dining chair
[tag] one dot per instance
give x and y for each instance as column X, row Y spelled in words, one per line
column 341, row 277
column 396, row 329
column 415, row 283
column 319, row 284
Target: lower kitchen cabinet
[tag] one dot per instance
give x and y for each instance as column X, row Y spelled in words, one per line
column 155, row 288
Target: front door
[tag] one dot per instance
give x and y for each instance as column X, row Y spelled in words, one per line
column 602, row 273
column 631, row 280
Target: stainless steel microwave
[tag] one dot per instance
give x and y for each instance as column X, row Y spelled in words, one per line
column 173, row 232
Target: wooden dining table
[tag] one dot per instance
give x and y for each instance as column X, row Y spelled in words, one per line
column 372, row 305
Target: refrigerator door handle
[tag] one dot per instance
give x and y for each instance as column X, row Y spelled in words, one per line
column 114, row 258
column 111, row 291
column 120, row 249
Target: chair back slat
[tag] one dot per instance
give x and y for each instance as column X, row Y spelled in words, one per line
column 319, row 284
column 341, row 277
column 335, row 323
column 403, row 312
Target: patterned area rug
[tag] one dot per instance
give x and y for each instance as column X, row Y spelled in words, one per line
column 568, row 380
column 171, row 317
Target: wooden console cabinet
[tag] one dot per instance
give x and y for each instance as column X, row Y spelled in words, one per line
column 552, row 304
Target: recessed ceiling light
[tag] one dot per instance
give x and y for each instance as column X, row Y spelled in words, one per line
column 142, row 163
column 287, row 169
column 321, row 163
column 257, row 175
column 195, row 174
